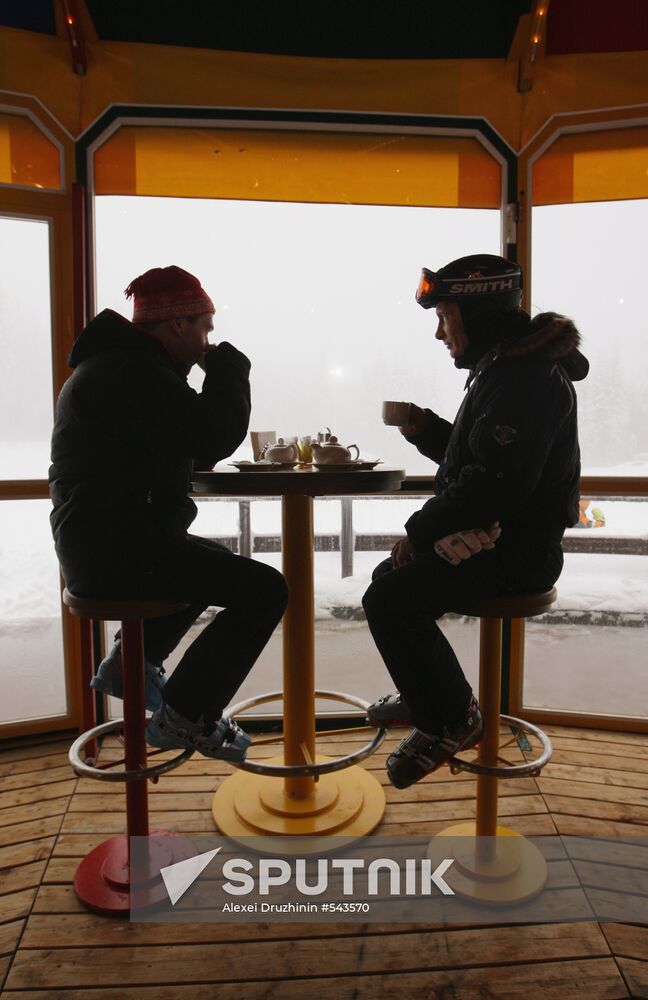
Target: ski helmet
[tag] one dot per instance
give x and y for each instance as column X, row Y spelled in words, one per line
column 478, row 276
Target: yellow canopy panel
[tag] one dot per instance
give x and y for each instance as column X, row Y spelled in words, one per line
column 27, row 157
column 368, row 168
column 593, row 166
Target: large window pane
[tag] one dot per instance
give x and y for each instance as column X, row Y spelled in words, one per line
column 26, row 405
column 589, row 654
column 31, row 639
column 320, row 297
column 589, row 263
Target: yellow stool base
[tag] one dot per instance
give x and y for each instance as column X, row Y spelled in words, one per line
column 349, row 803
column 516, row 873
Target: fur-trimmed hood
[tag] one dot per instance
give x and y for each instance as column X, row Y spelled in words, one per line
column 548, row 335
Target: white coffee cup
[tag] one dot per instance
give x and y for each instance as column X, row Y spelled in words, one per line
column 259, row 440
column 396, row 414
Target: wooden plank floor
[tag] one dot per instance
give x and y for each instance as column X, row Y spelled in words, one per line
column 50, row 947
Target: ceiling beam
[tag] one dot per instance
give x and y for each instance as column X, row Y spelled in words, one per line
column 74, row 23
column 529, row 44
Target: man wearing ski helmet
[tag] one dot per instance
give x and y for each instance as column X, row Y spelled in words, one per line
column 506, row 489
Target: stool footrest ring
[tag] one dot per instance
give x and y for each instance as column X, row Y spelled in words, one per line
column 301, row 770
column 87, row 771
column 529, row 769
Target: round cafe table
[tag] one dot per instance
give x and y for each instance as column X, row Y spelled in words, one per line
column 301, row 793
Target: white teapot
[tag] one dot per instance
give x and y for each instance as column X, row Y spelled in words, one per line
column 280, row 452
column 331, row 452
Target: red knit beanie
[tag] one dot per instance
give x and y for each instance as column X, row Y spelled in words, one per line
column 167, row 293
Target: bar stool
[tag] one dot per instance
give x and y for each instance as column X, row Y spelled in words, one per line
column 104, row 881
column 496, row 864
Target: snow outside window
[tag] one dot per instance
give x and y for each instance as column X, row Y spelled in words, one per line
column 588, row 655
column 320, row 297
column 31, row 643
column 26, row 406
column 31, row 636
column 589, row 263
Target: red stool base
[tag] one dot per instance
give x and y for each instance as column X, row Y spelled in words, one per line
column 102, row 881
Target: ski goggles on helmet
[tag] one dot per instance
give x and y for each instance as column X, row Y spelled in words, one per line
column 429, row 288
column 462, row 283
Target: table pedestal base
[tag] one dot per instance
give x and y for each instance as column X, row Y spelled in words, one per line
column 511, row 870
column 348, row 803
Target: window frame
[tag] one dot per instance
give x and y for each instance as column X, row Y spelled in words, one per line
column 54, row 208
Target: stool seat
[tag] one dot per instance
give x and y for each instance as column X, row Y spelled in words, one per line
column 116, row 610
column 509, row 605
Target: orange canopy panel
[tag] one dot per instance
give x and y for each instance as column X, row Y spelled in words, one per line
column 367, row 168
column 27, row 157
column 593, row 166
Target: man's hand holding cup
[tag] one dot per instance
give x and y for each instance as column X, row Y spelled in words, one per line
column 408, row 417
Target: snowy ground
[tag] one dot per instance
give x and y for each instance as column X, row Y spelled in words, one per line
column 573, row 667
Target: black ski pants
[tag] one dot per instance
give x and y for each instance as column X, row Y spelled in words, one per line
column 402, row 607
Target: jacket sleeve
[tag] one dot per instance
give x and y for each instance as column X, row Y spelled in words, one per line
column 518, row 417
column 225, row 404
column 158, row 411
column 433, row 439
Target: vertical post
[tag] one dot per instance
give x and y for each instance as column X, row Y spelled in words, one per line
column 132, row 640
column 346, row 536
column 506, row 667
column 490, row 658
column 89, row 715
column 245, row 529
column 298, row 640
column 78, row 258
column 516, row 683
column 75, row 36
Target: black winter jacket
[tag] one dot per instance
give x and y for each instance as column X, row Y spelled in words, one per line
column 127, row 431
column 512, row 453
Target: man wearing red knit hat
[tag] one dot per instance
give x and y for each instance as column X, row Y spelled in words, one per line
column 128, row 429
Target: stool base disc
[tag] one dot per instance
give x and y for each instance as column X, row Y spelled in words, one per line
column 516, row 874
column 349, row 803
column 102, row 880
